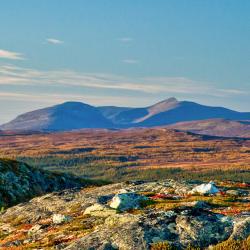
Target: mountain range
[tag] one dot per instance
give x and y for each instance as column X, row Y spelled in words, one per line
column 77, row 115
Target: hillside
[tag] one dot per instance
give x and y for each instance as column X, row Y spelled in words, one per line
column 216, row 127
column 20, row 182
column 76, row 115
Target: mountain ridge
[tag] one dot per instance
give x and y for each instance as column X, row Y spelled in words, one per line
column 78, row 115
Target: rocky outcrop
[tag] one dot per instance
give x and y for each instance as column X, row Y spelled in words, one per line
column 83, row 218
column 202, row 228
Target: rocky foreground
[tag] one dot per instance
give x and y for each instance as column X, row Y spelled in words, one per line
column 133, row 215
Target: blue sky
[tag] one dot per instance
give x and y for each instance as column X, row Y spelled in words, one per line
column 123, row 52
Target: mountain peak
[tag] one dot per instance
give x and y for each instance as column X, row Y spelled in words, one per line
column 160, row 107
column 171, row 99
column 72, row 104
column 164, row 105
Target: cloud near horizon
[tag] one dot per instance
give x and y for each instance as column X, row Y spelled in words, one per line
column 6, row 54
column 14, row 75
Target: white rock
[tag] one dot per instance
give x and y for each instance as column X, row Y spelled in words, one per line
column 208, row 188
column 60, row 218
column 127, row 201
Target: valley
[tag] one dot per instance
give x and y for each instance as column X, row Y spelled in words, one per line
column 115, row 155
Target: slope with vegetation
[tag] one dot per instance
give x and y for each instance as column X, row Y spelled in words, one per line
column 132, row 154
column 20, row 182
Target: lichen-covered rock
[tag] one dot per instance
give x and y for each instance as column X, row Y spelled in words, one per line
column 121, row 232
column 163, row 187
column 196, row 220
column 241, row 229
column 99, row 210
column 120, row 219
column 202, row 228
column 196, row 204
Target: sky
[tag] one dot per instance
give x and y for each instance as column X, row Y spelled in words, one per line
column 123, row 52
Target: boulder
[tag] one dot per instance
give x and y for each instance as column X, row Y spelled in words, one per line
column 126, row 201
column 208, row 188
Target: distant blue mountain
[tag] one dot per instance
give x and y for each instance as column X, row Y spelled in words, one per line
column 66, row 116
column 190, row 111
column 171, row 111
column 77, row 115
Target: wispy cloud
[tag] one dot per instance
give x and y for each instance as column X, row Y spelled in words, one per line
column 24, row 89
column 54, row 41
column 13, row 75
column 6, row 54
column 125, row 39
column 130, row 61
